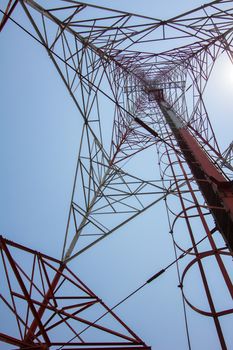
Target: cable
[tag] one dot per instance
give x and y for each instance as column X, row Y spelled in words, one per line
column 151, row 279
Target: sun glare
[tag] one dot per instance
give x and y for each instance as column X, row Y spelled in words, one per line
column 226, row 71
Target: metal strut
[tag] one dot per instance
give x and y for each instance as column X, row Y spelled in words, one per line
column 216, row 189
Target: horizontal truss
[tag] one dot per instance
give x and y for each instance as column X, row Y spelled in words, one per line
column 107, row 62
column 50, row 306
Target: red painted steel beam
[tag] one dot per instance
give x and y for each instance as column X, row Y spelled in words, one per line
column 9, row 9
column 50, row 312
column 215, row 188
column 16, row 342
column 37, row 317
column 43, row 307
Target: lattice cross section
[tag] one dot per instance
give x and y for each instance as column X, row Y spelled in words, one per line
column 46, row 306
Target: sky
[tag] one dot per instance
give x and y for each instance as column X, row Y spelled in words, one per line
column 39, row 142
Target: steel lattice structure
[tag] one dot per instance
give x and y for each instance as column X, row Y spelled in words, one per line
column 130, row 99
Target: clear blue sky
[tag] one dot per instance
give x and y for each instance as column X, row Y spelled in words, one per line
column 39, row 141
